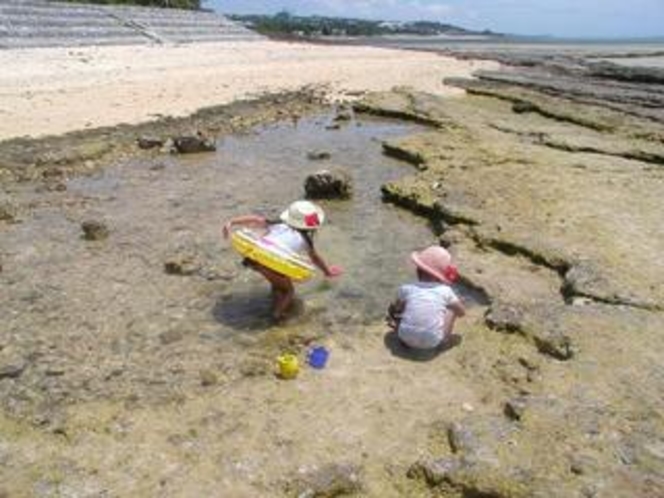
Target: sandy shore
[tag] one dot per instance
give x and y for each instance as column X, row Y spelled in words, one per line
column 53, row 91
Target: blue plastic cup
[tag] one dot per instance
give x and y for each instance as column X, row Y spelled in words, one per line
column 318, row 357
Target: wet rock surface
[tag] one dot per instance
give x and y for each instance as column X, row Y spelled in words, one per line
column 541, row 183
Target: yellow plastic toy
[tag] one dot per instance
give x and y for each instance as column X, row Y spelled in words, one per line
column 252, row 246
column 288, row 366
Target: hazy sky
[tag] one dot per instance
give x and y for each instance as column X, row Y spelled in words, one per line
column 588, row 18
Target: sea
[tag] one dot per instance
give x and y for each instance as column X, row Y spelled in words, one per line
column 641, row 52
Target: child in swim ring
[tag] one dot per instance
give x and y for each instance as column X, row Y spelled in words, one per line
column 424, row 312
column 295, row 232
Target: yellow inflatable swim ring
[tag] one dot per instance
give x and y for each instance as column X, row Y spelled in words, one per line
column 252, row 246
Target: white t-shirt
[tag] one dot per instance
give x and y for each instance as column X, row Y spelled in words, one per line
column 287, row 238
column 423, row 317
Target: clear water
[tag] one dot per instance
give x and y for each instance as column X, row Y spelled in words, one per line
column 117, row 290
column 369, row 239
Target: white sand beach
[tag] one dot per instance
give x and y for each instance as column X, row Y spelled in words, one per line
column 53, row 91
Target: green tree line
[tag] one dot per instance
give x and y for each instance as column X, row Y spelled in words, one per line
column 285, row 23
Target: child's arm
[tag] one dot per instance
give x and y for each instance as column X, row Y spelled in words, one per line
column 457, row 310
column 394, row 312
column 249, row 220
column 328, row 270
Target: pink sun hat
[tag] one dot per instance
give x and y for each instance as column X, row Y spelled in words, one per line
column 437, row 262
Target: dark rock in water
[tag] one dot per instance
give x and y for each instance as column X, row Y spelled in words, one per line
column 333, row 126
column 327, row 482
column 55, row 187
column 181, row 264
column 515, row 408
column 12, row 369
column 158, row 167
column 147, row 142
column 208, row 378
column 8, row 212
column 328, row 184
column 344, row 114
column 523, row 107
column 170, row 336
column 318, row 155
column 94, row 230
column 191, row 144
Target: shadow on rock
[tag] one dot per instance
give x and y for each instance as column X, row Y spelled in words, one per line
column 398, row 348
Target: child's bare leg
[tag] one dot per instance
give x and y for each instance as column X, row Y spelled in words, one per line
column 284, row 299
column 283, row 291
column 448, row 325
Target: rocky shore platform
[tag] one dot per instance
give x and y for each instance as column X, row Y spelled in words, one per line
column 545, row 181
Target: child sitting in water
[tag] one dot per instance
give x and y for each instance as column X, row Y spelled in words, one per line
column 424, row 312
column 295, row 232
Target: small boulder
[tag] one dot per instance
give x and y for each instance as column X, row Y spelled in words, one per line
column 8, row 212
column 94, row 230
column 344, row 114
column 327, row 482
column 328, row 184
column 433, row 471
column 182, row 265
column 470, row 478
column 170, row 337
column 318, row 155
column 505, row 317
column 191, row 144
column 147, row 142
column 522, row 106
column 208, row 378
column 11, row 368
column 515, row 408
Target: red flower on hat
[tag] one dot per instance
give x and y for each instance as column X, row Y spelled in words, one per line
column 311, row 220
column 451, row 273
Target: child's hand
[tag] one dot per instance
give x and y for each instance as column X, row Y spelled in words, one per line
column 227, row 229
column 334, row 271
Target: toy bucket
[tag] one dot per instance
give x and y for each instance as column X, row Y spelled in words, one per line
column 318, row 357
column 288, row 366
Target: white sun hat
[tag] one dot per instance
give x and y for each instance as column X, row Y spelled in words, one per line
column 303, row 215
